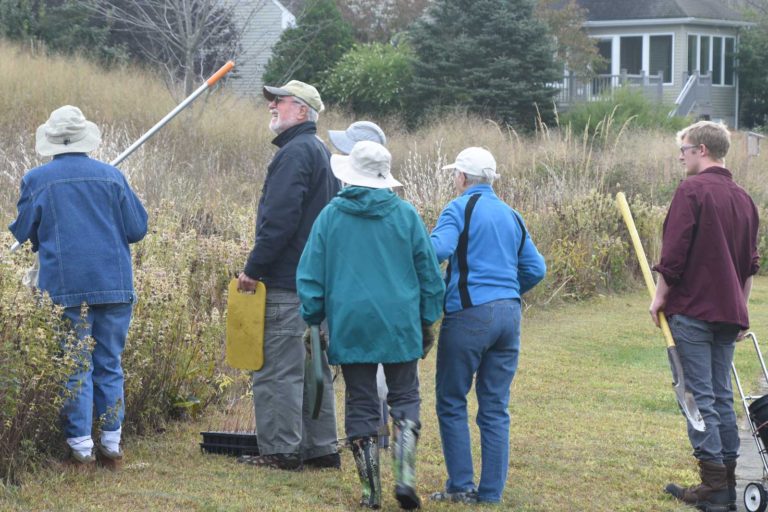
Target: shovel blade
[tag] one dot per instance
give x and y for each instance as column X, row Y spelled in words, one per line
column 684, row 398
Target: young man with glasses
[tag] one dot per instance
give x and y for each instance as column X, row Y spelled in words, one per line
column 708, row 258
column 298, row 185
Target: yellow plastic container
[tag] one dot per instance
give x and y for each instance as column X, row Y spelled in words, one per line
column 245, row 327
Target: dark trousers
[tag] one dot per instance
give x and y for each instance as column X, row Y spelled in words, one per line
column 363, row 407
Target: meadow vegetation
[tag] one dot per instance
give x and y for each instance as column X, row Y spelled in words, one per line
column 200, row 179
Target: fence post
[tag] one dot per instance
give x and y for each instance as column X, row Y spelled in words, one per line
column 660, row 87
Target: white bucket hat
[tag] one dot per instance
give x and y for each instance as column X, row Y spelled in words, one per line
column 475, row 161
column 67, row 131
column 345, row 140
column 368, row 165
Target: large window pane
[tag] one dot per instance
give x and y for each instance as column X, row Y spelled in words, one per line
column 693, row 46
column 661, row 57
column 730, row 51
column 604, row 47
column 632, row 54
column 704, row 57
column 717, row 60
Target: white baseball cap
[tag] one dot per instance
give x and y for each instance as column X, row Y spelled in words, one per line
column 475, row 161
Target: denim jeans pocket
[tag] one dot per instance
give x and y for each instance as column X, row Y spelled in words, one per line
column 473, row 321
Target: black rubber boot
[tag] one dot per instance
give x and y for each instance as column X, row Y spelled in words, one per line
column 405, row 437
column 711, row 495
column 730, row 477
column 365, row 451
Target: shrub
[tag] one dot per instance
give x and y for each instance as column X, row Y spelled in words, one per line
column 173, row 356
column 371, row 79
column 32, row 371
column 626, row 107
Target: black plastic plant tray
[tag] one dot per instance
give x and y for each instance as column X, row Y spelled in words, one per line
column 230, row 443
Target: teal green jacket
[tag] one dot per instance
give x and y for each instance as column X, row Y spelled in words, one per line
column 370, row 269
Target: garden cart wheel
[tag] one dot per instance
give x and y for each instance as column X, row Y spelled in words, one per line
column 755, row 498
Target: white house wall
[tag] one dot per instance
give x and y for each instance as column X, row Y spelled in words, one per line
column 262, row 22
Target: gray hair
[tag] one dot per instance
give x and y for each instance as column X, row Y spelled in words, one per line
column 312, row 114
column 472, row 180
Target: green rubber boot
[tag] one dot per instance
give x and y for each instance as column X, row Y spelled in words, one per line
column 406, row 436
column 365, row 451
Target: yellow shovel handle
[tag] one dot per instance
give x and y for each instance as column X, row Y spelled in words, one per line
column 621, row 202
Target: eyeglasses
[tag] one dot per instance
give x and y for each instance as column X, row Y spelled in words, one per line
column 686, row 147
column 281, row 99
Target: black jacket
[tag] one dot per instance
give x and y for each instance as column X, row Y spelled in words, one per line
column 298, row 185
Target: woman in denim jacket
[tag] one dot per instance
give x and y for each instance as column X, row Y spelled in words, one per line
column 80, row 215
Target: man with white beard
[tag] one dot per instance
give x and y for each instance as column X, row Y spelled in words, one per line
column 299, row 183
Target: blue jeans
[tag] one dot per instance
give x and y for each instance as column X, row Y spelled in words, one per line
column 484, row 341
column 96, row 386
column 706, row 353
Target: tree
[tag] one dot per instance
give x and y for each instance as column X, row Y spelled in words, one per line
column 492, row 57
column 188, row 39
column 380, row 20
column 575, row 48
column 307, row 51
column 753, row 73
column 60, row 24
column 371, row 78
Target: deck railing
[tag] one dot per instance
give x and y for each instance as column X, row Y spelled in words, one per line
column 574, row 89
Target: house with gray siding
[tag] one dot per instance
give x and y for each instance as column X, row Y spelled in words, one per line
column 682, row 52
column 261, row 22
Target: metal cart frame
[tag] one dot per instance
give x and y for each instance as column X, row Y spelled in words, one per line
column 755, row 496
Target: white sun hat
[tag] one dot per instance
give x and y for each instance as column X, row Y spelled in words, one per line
column 67, row 131
column 367, row 165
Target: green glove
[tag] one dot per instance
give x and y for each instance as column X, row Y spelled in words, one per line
column 307, row 338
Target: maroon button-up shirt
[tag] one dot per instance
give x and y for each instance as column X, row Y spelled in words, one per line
column 709, row 248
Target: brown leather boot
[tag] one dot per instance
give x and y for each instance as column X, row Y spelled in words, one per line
column 711, row 495
column 730, row 477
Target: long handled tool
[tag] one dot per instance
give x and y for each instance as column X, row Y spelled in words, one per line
column 684, row 398
column 223, row 70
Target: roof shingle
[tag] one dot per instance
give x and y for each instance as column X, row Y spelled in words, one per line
column 604, row 10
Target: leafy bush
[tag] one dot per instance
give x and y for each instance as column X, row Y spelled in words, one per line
column 626, row 107
column 32, row 371
column 172, row 360
column 371, row 79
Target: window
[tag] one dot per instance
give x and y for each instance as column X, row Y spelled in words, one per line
column 704, row 56
column 632, row 54
column 716, row 55
column 693, row 50
column 730, row 56
column 604, row 49
column 717, row 61
column 661, row 57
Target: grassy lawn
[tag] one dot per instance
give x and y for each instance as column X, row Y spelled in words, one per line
column 595, row 427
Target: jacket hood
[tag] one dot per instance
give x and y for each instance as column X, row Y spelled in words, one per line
column 366, row 202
